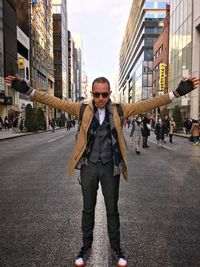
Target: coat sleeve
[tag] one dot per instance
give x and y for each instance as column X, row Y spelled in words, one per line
column 70, row 107
column 145, row 105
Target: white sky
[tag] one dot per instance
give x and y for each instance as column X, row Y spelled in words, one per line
column 101, row 24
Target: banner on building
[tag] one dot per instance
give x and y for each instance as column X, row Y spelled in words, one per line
column 162, row 77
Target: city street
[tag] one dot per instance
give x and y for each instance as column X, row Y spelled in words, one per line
column 40, row 207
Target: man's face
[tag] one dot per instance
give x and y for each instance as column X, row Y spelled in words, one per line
column 101, row 94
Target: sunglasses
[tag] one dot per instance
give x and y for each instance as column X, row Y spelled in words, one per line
column 97, row 94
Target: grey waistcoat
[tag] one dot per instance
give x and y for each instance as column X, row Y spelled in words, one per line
column 102, row 147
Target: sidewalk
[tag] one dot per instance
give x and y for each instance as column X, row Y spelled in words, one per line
column 182, row 135
column 12, row 134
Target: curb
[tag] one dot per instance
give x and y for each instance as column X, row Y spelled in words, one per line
column 24, row 134
column 182, row 135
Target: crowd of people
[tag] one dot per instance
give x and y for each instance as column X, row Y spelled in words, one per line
column 142, row 125
column 9, row 122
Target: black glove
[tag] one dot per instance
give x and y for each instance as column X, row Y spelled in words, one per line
column 21, row 86
column 184, row 87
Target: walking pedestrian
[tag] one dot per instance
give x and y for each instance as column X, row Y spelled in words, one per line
column 68, row 124
column 6, row 123
column 160, row 132
column 53, row 125
column 172, row 126
column 195, row 132
column 166, row 127
column 100, row 152
column 1, row 124
column 136, row 134
column 146, row 127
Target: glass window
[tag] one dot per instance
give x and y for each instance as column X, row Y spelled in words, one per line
column 149, row 41
column 184, row 34
column 145, row 81
column 148, row 55
column 181, row 12
column 189, row 30
column 149, row 80
column 189, row 6
column 185, row 9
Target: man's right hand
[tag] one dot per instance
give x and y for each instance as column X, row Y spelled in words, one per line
column 18, row 84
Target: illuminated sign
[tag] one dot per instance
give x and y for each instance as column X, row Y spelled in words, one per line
column 162, row 77
column 20, row 63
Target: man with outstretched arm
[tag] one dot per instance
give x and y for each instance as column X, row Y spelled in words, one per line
column 100, row 151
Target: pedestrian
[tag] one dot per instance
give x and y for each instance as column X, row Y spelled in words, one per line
column 195, row 132
column 53, row 125
column 136, row 134
column 6, row 123
column 1, row 124
column 172, row 126
column 100, row 152
column 160, row 132
column 68, row 124
column 146, row 127
column 166, row 126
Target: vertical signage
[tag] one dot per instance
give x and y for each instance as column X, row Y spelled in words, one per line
column 162, row 77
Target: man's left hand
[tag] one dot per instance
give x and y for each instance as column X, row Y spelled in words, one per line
column 186, row 86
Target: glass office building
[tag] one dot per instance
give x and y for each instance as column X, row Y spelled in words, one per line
column 145, row 23
column 184, row 51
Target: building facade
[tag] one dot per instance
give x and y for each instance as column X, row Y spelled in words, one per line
column 161, row 58
column 145, row 23
column 60, row 40
column 184, row 53
column 42, row 68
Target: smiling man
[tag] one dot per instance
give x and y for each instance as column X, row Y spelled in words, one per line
column 100, row 152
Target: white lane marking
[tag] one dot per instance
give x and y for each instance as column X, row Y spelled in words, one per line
column 55, row 138
column 100, row 256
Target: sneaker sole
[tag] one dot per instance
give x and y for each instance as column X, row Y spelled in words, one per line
column 116, row 263
column 119, row 265
column 84, row 264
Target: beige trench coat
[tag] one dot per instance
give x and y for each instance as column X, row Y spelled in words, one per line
column 74, row 107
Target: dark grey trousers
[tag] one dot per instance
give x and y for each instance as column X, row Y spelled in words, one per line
column 91, row 175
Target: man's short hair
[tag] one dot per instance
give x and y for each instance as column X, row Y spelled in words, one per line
column 101, row 80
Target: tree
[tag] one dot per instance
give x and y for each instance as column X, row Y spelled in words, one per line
column 31, row 122
column 41, row 119
column 61, row 120
column 178, row 118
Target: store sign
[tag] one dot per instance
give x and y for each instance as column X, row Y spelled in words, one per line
column 162, row 77
column 22, row 38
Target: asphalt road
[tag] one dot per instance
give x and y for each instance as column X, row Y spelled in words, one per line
column 40, row 207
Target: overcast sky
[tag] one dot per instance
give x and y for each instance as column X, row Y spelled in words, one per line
column 101, row 24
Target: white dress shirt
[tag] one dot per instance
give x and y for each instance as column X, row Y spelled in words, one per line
column 101, row 112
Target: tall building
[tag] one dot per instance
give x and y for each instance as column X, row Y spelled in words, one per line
column 78, row 65
column 161, row 58
column 15, row 53
column 145, row 23
column 42, row 68
column 184, row 53
column 71, row 83
column 2, row 89
column 60, row 40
